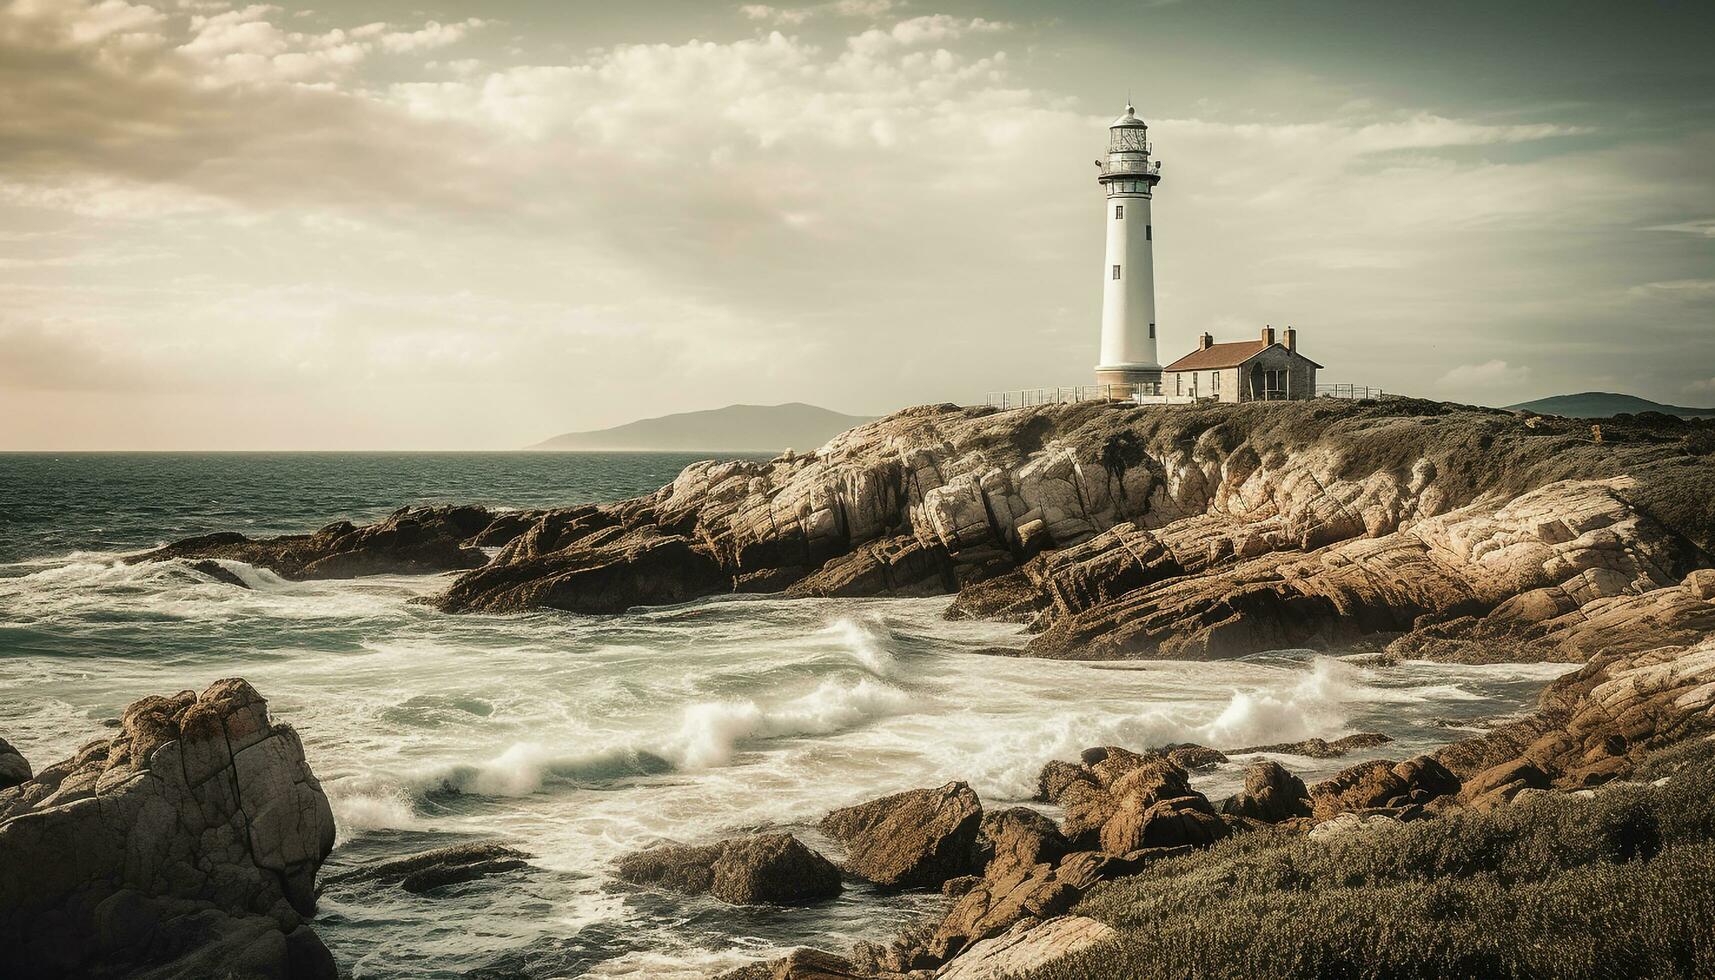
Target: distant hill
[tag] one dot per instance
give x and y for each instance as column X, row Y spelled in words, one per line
column 735, row 428
column 1604, row 404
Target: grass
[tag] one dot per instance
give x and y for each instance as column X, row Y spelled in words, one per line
column 1621, row 884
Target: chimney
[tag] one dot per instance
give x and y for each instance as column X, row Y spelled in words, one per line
column 1268, row 335
column 1292, row 339
column 1207, row 341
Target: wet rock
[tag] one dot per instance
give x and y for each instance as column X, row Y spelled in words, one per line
column 800, row 964
column 218, row 572
column 1029, row 945
column 410, row 541
column 632, row 568
column 419, row 873
column 1271, row 794
column 14, row 769
column 1195, row 757
column 764, row 869
column 187, row 843
column 898, row 566
column 1317, row 748
column 918, row 838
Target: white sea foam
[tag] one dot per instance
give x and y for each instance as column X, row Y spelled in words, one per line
column 866, row 643
column 712, row 732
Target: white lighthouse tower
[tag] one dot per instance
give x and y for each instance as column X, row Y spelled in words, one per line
column 1128, row 274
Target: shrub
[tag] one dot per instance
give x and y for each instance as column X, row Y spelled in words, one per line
column 1619, row 884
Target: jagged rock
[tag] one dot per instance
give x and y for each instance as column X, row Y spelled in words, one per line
column 764, row 869
column 918, row 838
column 1020, row 837
column 1029, row 945
column 1271, row 794
column 1144, row 821
column 419, row 873
column 218, row 572
column 1381, row 783
column 1317, row 748
column 187, row 843
column 627, row 568
column 1194, row 757
column 898, row 566
column 1595, row 722
column 410, row 541
column 800, row 964
column 1503, row 782
column 14, row 768
column 1701, row 584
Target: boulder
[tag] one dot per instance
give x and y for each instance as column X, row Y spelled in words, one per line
column 764, row 869
column 1380, row 783
column 410, row 541
column 1701, row 583
column 1271, row 794
column 800, row 964
column 14, row 769
column 1029, row 945
column 1195, row 757
column 915, row 839
column 419, row 873
column 187, row 843
column 1501, row 783
column 1317, row 748
column 1019, row 838
column 1142, row 821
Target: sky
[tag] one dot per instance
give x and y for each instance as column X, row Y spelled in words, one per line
column 387, row 225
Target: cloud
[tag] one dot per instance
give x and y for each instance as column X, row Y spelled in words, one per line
column 793, row 16
column 1488, row 376
column 1702, row 227
column 432, row 35
column 897, row 209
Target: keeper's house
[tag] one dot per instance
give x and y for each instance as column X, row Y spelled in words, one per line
column 1246, row 371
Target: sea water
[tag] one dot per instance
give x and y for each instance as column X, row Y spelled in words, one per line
column 581, row 738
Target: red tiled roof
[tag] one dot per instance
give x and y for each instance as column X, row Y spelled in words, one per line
column 1218, row 356
column 1224, row 356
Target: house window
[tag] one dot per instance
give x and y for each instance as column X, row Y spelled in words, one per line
column 1116, row 272
column 1179, row 384
column 1215, row 382
column 1119, row 211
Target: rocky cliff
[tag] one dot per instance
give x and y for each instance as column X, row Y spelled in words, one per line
column 1203, row 531
column 187, row 844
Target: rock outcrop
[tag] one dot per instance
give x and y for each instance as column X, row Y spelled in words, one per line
column 452, row 865
column 916, row 839
column 410, row 541
column 1271, row 794
column 1318, row 748
column 1181, row 531
column 1027, row 946
column 1380, row 783
column 14, row 768
column 765, row 869
column 187, row 843
column 1594, row 724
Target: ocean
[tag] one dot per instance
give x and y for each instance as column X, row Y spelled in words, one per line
column 581, row 738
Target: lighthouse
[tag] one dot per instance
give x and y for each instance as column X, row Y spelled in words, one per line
column 1128, row 272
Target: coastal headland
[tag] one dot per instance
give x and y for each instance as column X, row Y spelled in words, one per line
column 1399, row 529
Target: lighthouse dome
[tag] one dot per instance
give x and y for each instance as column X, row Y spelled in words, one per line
column 1128, row 120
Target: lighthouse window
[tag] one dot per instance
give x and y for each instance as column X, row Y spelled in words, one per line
column 1152, row 331
column 1116, row 272
column 1119, row 210
column 1149, row 233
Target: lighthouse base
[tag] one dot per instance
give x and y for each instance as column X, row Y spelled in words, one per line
column 1130, row 379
